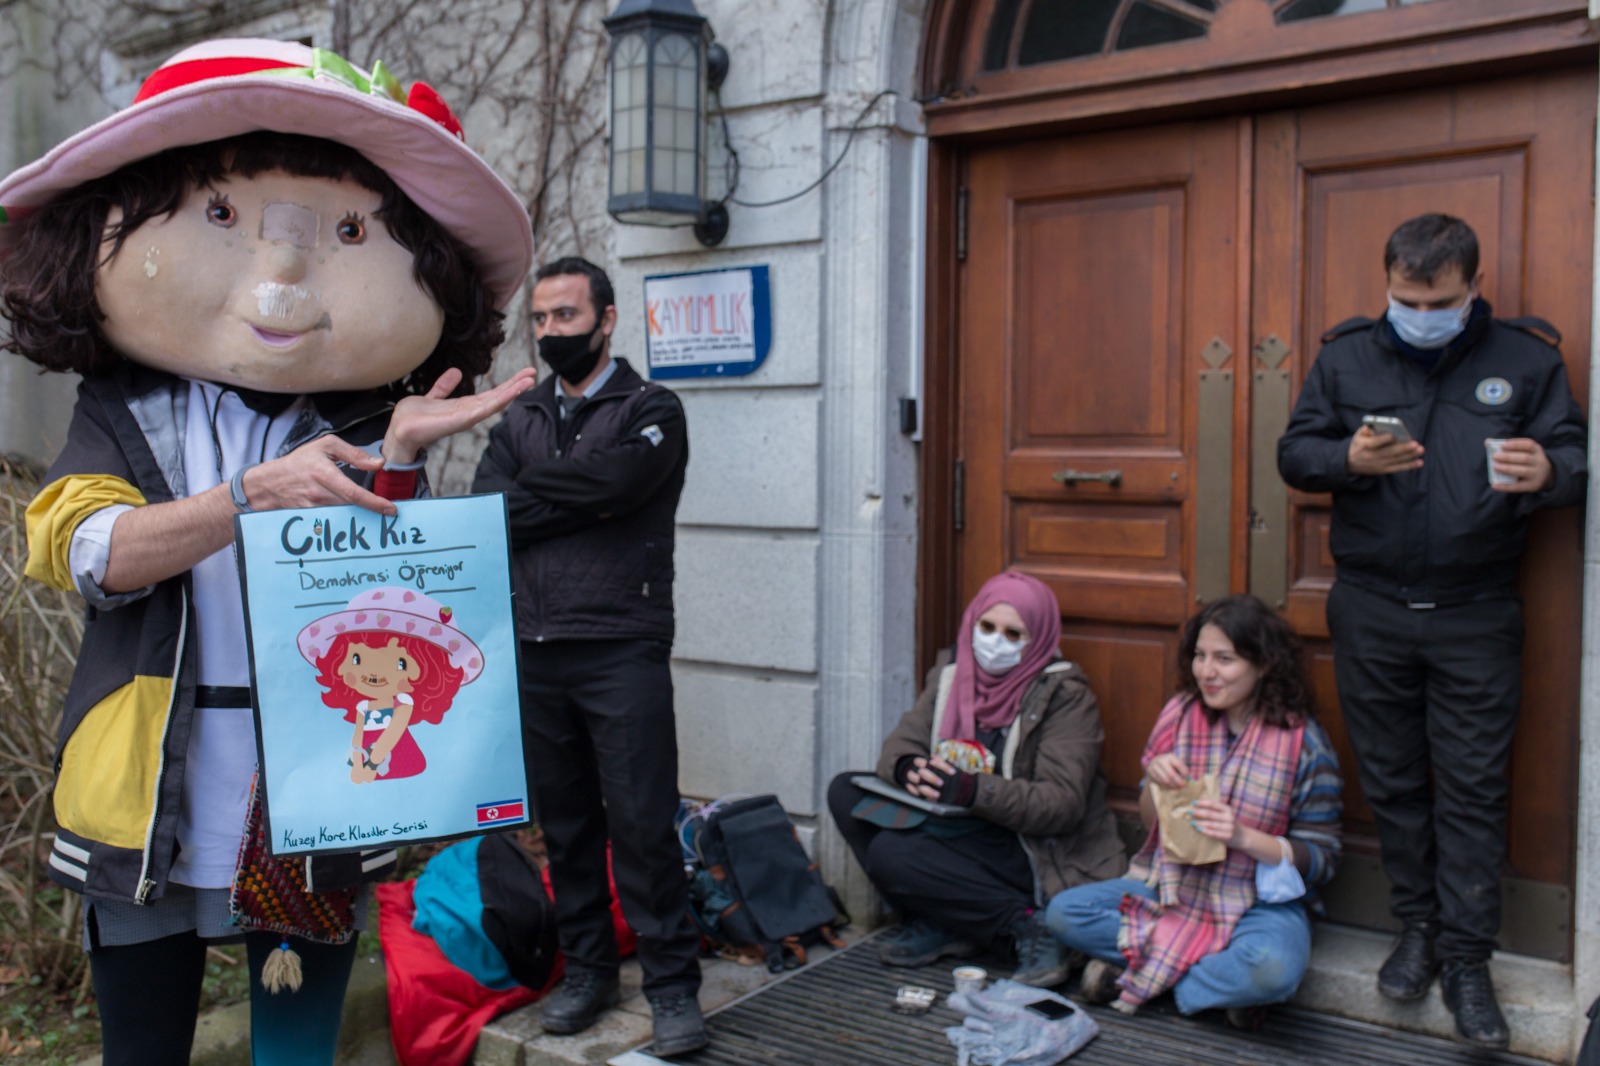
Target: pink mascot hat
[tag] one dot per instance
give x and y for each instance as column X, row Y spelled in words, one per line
column 399, row 611
column 228, row 87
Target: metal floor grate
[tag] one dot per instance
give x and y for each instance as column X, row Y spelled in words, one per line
column 836, row 1013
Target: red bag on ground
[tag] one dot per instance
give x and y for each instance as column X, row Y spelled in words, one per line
column 436, row 1010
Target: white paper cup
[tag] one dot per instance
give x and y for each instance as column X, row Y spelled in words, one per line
column 969, row 978
column 1491, row 448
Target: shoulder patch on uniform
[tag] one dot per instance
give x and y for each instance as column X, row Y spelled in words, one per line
column 1349, row 325
column 653, row 434
column 1535, row 326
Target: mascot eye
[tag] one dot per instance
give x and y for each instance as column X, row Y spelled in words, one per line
column 352, row 229
column 221, row 213
column 402, row 663
column 355, row 658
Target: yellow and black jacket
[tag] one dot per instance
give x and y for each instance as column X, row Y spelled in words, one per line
column 125, row 728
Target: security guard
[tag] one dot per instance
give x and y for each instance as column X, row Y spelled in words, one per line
column 1395, row 420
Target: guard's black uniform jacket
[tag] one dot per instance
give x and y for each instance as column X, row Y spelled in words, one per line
column 1438, row 534
column 591, row 500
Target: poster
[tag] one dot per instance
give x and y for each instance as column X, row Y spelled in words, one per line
column 383, row 672
column 708, row 323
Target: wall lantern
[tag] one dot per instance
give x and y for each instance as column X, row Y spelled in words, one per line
column 663, row 63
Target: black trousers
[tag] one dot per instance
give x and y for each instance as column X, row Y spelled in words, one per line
column 1433, row 693
column 602, row 756
column 976, row 886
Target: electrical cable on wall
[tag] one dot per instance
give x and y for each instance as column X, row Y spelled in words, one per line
column 732, row 166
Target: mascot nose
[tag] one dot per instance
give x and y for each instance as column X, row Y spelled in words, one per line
column 286, row 264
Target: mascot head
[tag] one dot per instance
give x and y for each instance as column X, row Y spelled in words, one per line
column 267, row 216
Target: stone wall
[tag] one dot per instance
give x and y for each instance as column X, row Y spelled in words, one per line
column 797, row 546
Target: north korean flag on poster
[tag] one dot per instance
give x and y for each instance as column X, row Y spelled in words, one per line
column 503, row 811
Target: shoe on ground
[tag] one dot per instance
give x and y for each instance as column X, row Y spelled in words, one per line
column 920, row 942
column 577, row 1003
column 1042, row 960
column 1100, row 982
column 1469, row 994
column 1247, row 1019
column 677, row 1026
column 1411, row 966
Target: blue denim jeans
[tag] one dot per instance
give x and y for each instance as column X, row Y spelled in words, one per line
column 1263, row 962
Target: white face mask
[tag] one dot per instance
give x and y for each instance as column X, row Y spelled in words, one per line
column 996, row 654
column 1428, row 330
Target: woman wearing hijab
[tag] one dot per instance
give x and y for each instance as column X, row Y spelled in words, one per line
column 1008, row 731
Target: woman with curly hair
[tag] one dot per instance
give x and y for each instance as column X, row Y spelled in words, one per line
column 1233, row 934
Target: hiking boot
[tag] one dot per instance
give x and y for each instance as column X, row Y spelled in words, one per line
column 576, row 1005
column 1100, row 982
column 1469, row 994
column 1041, row 958
column 1409, row 970
column 920, row 942
column 676, row 1025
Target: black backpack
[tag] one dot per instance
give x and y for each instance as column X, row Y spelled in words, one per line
column 486, row 893
column 756, row 894
column 518, row 916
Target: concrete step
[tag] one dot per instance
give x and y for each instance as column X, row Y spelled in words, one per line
column 1535, row 995
column 515, row 1039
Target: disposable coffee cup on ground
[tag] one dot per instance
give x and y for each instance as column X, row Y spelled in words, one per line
column 969, row 978
column 1491, row 448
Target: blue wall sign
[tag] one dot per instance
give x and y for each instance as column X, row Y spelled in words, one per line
column 710, row 323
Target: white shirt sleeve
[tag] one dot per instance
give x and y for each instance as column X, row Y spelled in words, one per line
column 89, row 554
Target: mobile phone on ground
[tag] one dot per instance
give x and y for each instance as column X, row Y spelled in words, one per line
column 1049, row 1008
column 1388, row 424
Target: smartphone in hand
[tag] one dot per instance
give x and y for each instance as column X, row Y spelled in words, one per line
column 1389, row 424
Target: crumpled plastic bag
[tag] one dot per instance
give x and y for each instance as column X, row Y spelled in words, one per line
column 999, row 1030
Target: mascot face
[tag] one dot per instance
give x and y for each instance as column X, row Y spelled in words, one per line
column 277, row 283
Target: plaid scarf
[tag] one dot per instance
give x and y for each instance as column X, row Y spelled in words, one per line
column 1198, row 906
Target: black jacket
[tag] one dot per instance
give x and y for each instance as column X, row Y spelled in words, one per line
column 592, row 501
column 1438, row 534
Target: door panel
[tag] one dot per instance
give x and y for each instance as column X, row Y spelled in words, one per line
column 1091, row 290
column 1514, row 159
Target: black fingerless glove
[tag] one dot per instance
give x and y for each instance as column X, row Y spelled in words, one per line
column 958, row 789
column 902, row 770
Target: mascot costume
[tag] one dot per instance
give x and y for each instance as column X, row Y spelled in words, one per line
column 279, row 276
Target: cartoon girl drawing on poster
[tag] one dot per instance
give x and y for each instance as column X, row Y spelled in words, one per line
column 389, row 660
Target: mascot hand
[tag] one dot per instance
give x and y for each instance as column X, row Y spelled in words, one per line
column 310, row 476
column 420, row 420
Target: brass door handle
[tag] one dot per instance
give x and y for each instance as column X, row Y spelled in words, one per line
column 1112, row 478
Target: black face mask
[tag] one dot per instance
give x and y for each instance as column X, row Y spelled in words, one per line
column 571, row 356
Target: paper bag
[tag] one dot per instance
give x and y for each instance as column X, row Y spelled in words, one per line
column 1181, row 841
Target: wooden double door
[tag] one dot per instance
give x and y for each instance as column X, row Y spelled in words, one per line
column 1137, row 311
